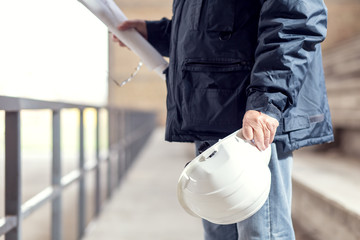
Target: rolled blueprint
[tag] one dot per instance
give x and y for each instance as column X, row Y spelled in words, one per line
column 112, row 16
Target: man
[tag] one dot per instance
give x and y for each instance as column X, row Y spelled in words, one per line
column 254, row 65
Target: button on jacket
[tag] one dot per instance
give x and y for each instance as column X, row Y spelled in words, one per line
column 230, row 56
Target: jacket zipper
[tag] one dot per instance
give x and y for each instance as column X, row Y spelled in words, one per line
column 246, row 64
column 173, row 45
column 219, row 64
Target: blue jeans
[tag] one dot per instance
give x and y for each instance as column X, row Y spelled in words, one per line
column 273, row 220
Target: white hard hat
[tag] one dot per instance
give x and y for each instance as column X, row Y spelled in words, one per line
column 227, row 183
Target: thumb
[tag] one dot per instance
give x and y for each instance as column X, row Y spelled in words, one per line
column 127, row 25
column 138, row 25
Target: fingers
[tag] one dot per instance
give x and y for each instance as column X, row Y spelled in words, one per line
column 259, row 139
column 116, row 40
column 129, row 24
column 138, row 25
column 122, row 27
column 266, row 137
column 248, row 133
column 259, row 127
column 272, row 126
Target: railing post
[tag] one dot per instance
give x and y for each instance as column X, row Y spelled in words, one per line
column 109, row 159
column 120, row 143
column 56, row 212
column 15, row 211
column 13, row 172
column 127, row 132
column 97, row 170
column 82, row 197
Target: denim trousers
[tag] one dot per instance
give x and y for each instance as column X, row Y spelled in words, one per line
column 273, row 220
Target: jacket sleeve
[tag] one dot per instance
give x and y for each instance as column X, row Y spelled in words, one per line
column 159, row 35
column 288, row 36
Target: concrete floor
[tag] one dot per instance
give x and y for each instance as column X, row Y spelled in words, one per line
column 145, row 206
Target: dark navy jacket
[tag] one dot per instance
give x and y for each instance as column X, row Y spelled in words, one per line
column 229, row 56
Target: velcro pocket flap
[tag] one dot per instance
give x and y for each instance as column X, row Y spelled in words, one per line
column 294, row 123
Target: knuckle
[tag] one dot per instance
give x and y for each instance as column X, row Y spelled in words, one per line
column 272, row 124
column 257, row 120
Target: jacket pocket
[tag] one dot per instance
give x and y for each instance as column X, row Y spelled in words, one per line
column 221, row 15
column 213, row 94
column 300, row 127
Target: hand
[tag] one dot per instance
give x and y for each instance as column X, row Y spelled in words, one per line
column 139, row 25
column 260, row 128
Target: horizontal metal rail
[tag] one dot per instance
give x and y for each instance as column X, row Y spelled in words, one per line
column 12, row 104
column 123, row 133
column 7, row 224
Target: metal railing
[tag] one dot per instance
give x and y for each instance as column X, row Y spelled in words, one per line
column 127, row 132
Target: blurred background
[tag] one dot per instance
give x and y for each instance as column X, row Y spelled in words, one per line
column 58, row 51
column 147, row 92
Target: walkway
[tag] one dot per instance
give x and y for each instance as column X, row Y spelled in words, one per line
column 146, row 206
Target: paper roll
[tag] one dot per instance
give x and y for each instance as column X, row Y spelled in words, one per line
column 112, row 16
